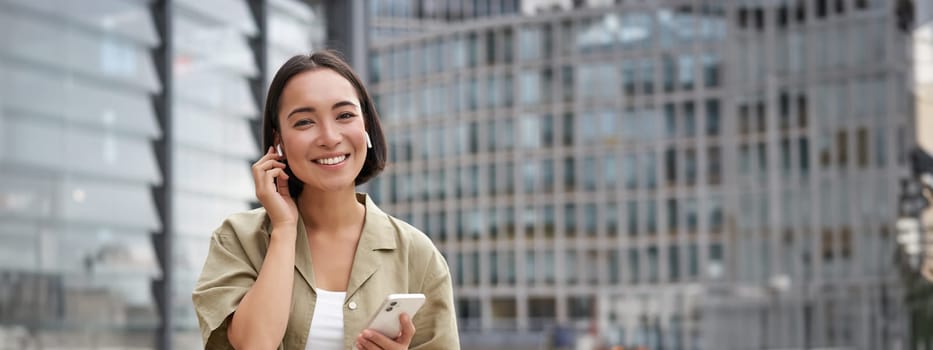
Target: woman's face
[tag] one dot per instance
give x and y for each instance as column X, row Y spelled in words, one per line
column 322, row 130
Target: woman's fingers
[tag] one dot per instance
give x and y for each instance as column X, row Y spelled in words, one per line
column 372, row 340
column 268, row 186
column 264, row 171
column 408, row 329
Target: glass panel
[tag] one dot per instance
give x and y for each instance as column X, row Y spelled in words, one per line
column 107, row 57
column 205, row 172
column 77, row 150
column 112, row 16
column 32, row 89
column 236, row 13
column 228, row 136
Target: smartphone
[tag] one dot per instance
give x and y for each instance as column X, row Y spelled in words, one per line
column 386, row 321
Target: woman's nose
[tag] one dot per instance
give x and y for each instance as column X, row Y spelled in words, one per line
column 329, row 136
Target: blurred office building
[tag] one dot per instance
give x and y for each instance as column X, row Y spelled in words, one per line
column 664, row 174
column 126, row 133
column 915, row 212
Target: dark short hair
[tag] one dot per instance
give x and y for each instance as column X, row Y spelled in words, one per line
column 375, row 158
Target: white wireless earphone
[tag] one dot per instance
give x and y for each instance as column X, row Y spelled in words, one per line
column 369, row 142
column 278, row 149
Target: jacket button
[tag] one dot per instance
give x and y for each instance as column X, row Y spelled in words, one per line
column 352, row 305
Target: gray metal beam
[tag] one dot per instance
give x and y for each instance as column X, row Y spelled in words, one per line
column 162, row 241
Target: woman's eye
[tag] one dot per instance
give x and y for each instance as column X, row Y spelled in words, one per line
column 303, row 122
column 345, row 115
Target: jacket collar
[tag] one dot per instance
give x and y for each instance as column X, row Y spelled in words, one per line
column 379, row 234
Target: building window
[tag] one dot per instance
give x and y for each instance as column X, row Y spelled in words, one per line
column 530, row 43
column 549, row 221
column 530, row 171
column 571, row 268
column 609, row 171
column 804, row 152
column 589, row 176
column 673, row 262
column 785, row 157
column 693, row 260
column 568, row 129
column 570, row 220
column 633, row 275
column 531, row 87
column 670, row 120
column 714, row 165
column 689, row 119
column 712, row 117
column 567, row 83
column 581, row 307
column 629, row 71
column 614, row 264
column 861, row 147
column 670, row 166
column 651, row 170
column 654, row 275
column 570, row 182
column 589, row 215
column 612, row 219
column 510, row 267
column 690, row 160
column 685, row 72
column 672, row 217
column 842, row 151
column 715, row 214
column 630, row 169
column 693, row 221
column 647, row 76
column 547, row 130
column 632, row 217
column 468, row 312
column 530, row 267
column 492, row 223
column 494, row 267
column 669, row 71
column 504, row 312
column 548, row 267
column 547, row 175
column 651, row 212
column 711, row 71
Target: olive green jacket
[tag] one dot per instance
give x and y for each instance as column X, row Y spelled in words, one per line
column 391, row 257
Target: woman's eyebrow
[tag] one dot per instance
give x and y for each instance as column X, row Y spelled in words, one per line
column 300, row 110
column 342, row 104
column 308, row 109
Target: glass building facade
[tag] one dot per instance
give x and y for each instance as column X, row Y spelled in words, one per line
column 679, row 174
column 90, row 169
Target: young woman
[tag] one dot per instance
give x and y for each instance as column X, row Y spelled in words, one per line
column 310, row 267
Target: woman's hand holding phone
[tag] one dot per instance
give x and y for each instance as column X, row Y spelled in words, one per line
column 391, row 326
column 372, row 340
column 272, row 190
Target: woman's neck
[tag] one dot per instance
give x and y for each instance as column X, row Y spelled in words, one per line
column 330, row 212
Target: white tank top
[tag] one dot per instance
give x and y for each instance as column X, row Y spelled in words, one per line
column 326, row 332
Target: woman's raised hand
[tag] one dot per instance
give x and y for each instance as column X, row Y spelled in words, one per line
column 272, row 190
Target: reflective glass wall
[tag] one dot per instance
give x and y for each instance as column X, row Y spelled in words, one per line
column 79, row 165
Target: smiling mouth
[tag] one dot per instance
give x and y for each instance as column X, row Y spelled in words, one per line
column 332, row 160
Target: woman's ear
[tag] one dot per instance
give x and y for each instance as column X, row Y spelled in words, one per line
column 277, row 144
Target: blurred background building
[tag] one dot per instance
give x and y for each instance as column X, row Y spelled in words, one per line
column 668, row 174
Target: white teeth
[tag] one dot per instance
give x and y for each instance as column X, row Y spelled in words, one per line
column 331, row 161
